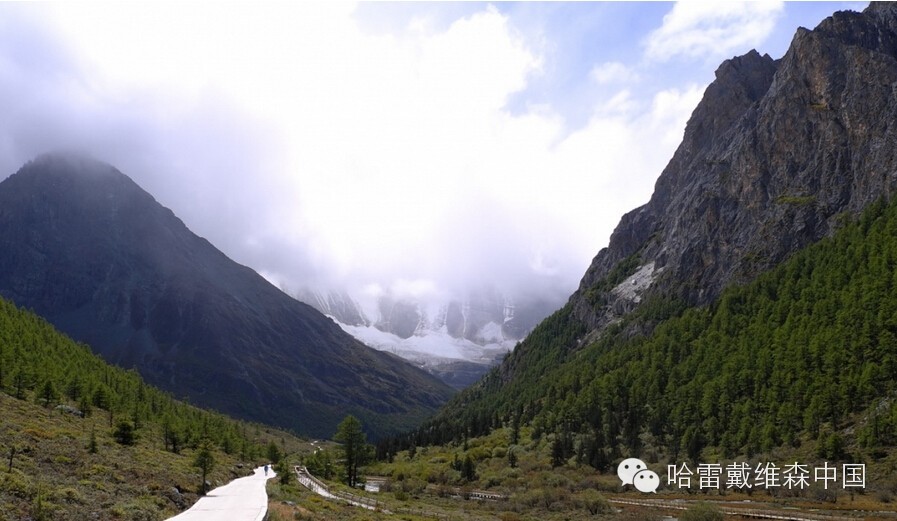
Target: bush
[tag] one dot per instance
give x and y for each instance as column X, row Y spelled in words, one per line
column 530, row 498
column 67, row 495
column 413, row 486
column 593, row 502
column 284, row 471
column 16, row 484
column 702, row 512
column 124, row 433
column 546, row 498
column 828, row 495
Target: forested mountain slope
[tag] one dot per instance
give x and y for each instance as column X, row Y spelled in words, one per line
column 680, row 337
column 793, row 356
column 81, row 439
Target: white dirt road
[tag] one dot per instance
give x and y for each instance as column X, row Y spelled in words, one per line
column 242, row 499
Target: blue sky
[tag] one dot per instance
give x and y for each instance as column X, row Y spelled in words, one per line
column 422, row 149
column 575, row 37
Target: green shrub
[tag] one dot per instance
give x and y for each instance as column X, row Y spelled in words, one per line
column 702, row 512
column 593, row 502
column 16, row 483
column 125, row 433
column 67, row 495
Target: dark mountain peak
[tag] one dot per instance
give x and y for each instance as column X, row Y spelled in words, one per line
column 874, row 29
column 77, row 182
column 750, row 71
column 740, row 83
column 885, row 12
column 87, row 248
column 58, row 172
column 70, row 164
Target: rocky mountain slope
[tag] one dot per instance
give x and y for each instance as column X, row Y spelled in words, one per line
column 774, row 156
column 82, row 245
column 778, row 155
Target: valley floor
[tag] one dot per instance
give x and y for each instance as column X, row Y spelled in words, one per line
column 424, row 485
column 317, row 500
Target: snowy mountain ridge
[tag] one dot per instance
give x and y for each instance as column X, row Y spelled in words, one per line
column 458, row 341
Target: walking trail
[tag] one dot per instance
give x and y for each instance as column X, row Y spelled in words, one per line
column 242, row 499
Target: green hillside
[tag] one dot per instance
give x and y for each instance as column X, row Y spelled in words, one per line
column 806, row 355
column 131, row 454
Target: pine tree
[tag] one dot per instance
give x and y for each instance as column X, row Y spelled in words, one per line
column 20, row 382
column 204, row 461
column 125, row 433
column 48, row 395
column 285, row 472
column 469, row 470
column 101, row 397
column 74, row 388
column 515, row 428
column 512, row 456
column 12, row 455
column 349, row 433
column 85, row 406
column 274, row 453
column 557, row 452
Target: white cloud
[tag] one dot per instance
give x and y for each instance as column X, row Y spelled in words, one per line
column 613, row 73
column 670, row 110
column 414, row 289
column 313, row 151
column 712, row 30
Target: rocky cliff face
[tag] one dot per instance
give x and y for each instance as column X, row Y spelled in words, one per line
column 85, row 247
column 337, row 304
column 772, row 159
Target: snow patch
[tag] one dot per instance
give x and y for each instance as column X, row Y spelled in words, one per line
column 433, row 346
column 491, row 333
column 637, row 283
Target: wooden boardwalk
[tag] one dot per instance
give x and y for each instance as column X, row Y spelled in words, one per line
column 732, row 510
column 319, row 487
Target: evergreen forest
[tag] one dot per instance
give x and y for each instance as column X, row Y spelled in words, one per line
column 804, row 354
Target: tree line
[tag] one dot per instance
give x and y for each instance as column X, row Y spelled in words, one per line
column 797, row 354
column 39, row 363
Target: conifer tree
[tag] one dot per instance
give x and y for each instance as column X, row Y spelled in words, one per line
column 47, row 395
column 354, row 447
column 204, row 461
column 20, row 383
column 125, row 433
column 469, row 469
column 274, row 453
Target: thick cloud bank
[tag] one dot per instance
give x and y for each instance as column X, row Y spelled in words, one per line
column 322, row 153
